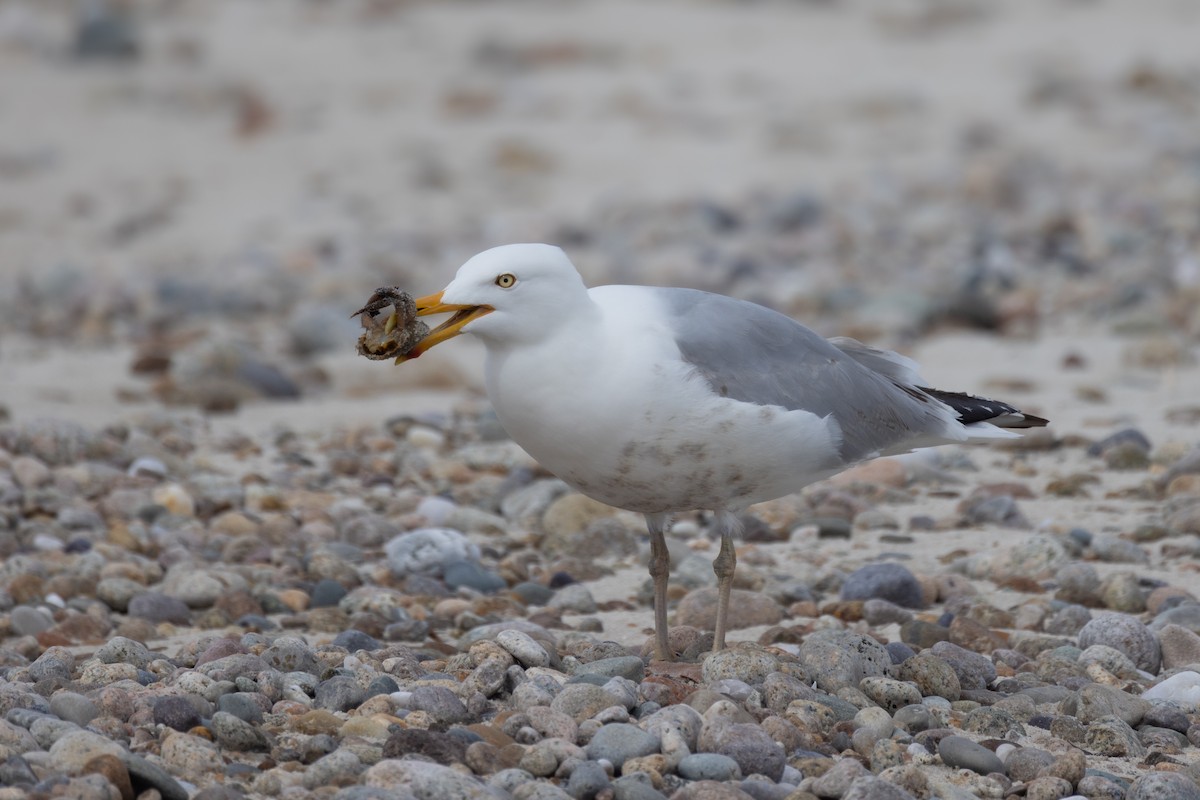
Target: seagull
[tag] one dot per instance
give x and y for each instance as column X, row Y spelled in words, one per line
column 666, row 400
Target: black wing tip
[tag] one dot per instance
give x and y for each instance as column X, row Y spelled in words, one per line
column 980, row 409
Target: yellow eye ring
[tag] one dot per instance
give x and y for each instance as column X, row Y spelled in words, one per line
column 506, row 281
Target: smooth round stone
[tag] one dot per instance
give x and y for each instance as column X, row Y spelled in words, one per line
column 426, row 551
column 339, row 693
column 176, row 712
column 899, row 651
column 472, row 575
column 71, row 751
column 890, row 693
column 159, row 607
column 755, row 751
column 73, row 707
column 30, row 621
column 120, row 650
column 914, row 718
column 708, row 767
column 961, row 753
column 524, row 648
column 326, row 593
column 289, row 654
column 629, row 667
column 974, row 671
column 581, row 700
column 440, row 703
column 246, row 706
column 16, row 772
column 427, row 781
column 619, row 742
column 355, row 640
column 574, row 597
column 384, row 684
column 1161, row 785
column 932, row 675
column 877, row 611
column 1180, row 646
column 875, row 720
column 1124, row 633
column 335, row 769
column 1024, row 763
column 588, row 779
column 237, row 734
column 533, row 594
column 892, row 582
column 746, row 664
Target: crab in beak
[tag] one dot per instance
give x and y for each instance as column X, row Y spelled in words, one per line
column 432, row 304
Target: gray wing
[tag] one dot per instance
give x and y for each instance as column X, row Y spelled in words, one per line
column 750, row 353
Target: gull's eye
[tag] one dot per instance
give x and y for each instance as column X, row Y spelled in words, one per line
column 506, row 281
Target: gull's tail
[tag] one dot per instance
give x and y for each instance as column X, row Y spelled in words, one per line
column 978, row 411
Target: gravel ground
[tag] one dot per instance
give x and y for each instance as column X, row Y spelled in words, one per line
column 240, row 561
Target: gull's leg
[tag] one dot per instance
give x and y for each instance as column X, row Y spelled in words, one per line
column 660, row 571
column 723, row 567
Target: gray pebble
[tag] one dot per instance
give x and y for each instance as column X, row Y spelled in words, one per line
column 426, row 551
column 176, row 712
column 1110, row 736
column 15, row 771
column 1124, row 633
column 120, row 650
column 237, row 734
column 289, row 654
column 73, row 707
column 340, row 693
column 838, row 659
column 836, row 781
column 892, row 582
column 961, row 753
column 1024, row 763
column 974, row 671
column 335, row 769
column 533, row 594
column 574, row 597
column 708, row 767
column 628, row 667
column 524, row 648
column 879, row 612
column 932, row 675
column 620, row 742
column 914, row 718
column 355, row 640
column 159, row 607
column 635, row 787
column 1157, row 785
column 326, row 593
column 587, row 780
column 749, row 745
column 247, row 706
column 1096, row 701
column 147, row 773
column 29, row 621
column 472, row 575
column 440, row 703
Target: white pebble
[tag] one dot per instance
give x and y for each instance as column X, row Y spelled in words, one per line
column 1182, row 688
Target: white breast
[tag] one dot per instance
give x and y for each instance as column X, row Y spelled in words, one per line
column 611, row 408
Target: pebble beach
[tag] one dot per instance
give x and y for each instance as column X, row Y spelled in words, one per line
column 239, row 561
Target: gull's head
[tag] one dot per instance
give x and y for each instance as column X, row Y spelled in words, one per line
column 509, row 294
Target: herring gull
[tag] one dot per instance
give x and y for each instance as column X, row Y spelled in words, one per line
column 663, row 400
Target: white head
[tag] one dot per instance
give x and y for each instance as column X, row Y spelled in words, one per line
column 507, row 294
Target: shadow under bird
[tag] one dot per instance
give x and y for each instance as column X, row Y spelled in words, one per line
column 663, row 400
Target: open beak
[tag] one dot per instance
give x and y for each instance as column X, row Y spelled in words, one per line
column 432, row 304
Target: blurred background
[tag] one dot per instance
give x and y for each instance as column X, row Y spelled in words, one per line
column 195, row 194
